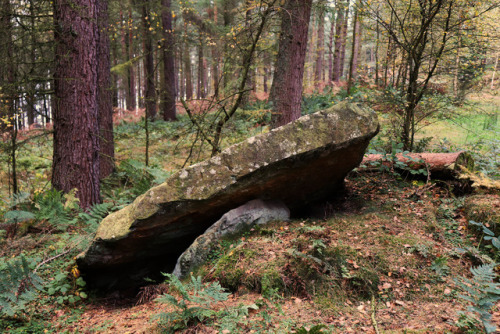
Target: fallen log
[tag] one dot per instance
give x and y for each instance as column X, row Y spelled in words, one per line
column 438, row 165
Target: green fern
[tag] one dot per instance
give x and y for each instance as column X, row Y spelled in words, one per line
column 18, row 286
column 18, row 216
column 482, row 292
column 202, row 295
column 94, row 215
column 51, row 208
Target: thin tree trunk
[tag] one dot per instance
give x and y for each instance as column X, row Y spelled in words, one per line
column 330, row 48
column 131, row 71
column 76, row 128
column 344, row 39
column 187, row 72
column 337, row 73
column 169, row 93
column 356, row 41
column 124, row 41
column 286, row 91
column 200, row 91
column 320, row 47
column 215, row 54
column 149, row 67
column 182, row 81
column 105, row 106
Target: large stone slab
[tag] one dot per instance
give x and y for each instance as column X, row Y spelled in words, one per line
column 298, row 163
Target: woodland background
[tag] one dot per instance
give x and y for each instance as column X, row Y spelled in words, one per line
column 100, row 100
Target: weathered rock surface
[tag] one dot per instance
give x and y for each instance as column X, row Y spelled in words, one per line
column 298, row 163
column 255, row 212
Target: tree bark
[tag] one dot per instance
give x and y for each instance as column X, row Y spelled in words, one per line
column 105, row 99
column 320, row 47
column 76, row 128
column 356, row 41
column 339, row 26
column 187, row 69
column 149, row 67
column 330, row 48
column 440, row 165
column 286, row 90
column 131, row 71
column 344, row 38
column 169, row 92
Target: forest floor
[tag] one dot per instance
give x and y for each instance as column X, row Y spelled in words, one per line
column 385, row 256
column 390, row 242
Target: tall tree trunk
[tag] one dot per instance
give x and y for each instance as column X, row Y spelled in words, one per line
column 124, row 41
column 105, row 107
column 9, row 90
column 149, row 67
column 187, row 72
column 339, row 26
column 76, row 128
column 320, row 47
column 344, row 39
column 356, row 42
column 132, row 93
column 286, row 91
column 31, row 86
column 215, row 54
column 330, row 48
column 200, row 83
column 182, row 81
column 169, row 92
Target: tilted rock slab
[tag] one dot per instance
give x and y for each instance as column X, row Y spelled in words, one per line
column 255, row 212
column 297, row 163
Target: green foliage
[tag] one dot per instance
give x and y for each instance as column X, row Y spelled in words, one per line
column 94, row 215
column 52, row 207
column 488, row 235
column 482, row 292
column 64, row 290
column 440, row 266
column 193, row 304
column 318, row 329
column 19, row 285
column 18, row 216
column 137, row 178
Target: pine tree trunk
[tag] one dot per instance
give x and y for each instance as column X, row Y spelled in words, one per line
column 124, row 41
column 76, row 128
column 149, row 67
column 286, row 91
column 320, row 48
column 199, row 82
column 339, row 26
column 215, row 54
column 344, row 39
column 330, row 48
column 187, row 74
column 353, row 65
column 169, row 92
column 132, row 93
column 105, row 106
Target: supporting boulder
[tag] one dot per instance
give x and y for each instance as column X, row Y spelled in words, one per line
column 299, row 163
column 256, row 212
